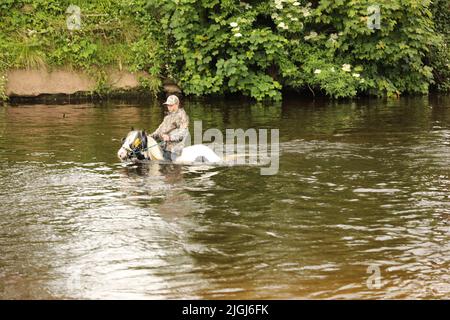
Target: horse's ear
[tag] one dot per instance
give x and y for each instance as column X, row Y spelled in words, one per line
column 144, row 133
column 132, row 129
column 123, row 140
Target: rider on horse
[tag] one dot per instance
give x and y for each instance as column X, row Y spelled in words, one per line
column 173, row 130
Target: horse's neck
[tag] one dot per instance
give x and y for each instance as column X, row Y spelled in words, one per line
column 154, row 152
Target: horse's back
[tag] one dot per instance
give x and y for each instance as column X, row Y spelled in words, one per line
column 198, row 152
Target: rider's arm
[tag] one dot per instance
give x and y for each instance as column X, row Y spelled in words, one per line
column 178, row 134
column 182, row 131
column 157, row 133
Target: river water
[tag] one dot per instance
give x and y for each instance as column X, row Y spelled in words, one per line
column 360, row 206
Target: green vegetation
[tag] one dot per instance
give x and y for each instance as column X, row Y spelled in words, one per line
column 113, row 34
column 440, row 55
column 256, row 48
column 261, row 46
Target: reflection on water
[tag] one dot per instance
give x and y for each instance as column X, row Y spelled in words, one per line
column 360, row 184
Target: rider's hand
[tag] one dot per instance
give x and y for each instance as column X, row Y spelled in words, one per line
column 165, row 137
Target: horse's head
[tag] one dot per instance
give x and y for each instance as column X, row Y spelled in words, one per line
column 134, row 145
column 140, row 146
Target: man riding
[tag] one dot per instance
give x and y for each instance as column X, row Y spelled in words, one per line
column 173, row 130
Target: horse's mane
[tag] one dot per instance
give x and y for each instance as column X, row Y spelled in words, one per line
column 154, row 151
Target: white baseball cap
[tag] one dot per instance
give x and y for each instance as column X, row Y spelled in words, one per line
column 173, row 99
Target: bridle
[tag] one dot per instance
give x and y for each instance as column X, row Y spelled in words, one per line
column 138, row 147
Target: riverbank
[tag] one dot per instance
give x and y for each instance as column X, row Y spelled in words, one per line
column 67, row 84
column 35, row 82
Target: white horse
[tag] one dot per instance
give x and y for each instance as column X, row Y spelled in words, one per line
column 138, row 145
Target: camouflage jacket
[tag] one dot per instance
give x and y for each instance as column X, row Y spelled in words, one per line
column 176, row 125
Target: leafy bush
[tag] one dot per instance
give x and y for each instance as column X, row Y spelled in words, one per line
column 259, row 47
column 440, row 55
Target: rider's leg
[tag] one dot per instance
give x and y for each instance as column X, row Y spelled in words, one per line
column 169, row 156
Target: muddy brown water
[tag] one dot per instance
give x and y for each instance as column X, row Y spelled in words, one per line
column 360, row 206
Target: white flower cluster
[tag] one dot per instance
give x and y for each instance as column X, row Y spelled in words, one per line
column 31, row 32
column 306, row 10
column 279, row 4
column 275, row 16
column 288, row 11
column 245, row 5
column 311, row 35
column 333, row 37
column 235, row 29
column 282, row 25
column 346, row 67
